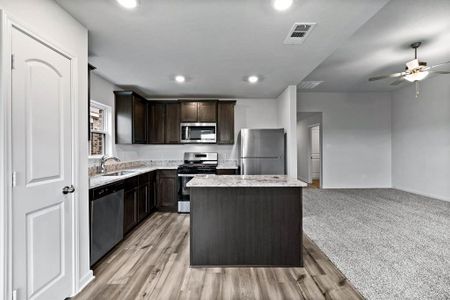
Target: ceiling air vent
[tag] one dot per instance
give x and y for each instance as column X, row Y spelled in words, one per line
column 307, row 85
column 298, row 33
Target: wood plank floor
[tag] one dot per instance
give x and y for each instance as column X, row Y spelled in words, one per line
column 153, row 263
column 315, row 184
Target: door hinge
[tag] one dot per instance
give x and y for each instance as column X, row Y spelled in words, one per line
column 14, row 295
column 14, row 179
column 12, row 62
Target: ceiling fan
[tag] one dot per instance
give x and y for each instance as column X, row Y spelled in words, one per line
column 415, row 71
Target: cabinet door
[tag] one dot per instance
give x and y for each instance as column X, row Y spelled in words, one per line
column 167, row 190
column 227, row 171
column 152, row 192
column 225, row 122
column 129, row 209
column 207, row 112
column 143, row 209
column 189, row 111
column 139, row 120
column 172, row 127
column 156, row 120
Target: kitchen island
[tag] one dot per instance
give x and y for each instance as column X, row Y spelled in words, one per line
column 246, row 220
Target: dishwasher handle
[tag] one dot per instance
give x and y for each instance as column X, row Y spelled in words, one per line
column 103, row 191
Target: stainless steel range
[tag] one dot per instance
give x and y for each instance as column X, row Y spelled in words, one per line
column 195, row 163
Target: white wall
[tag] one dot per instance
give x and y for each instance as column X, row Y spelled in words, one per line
column 49, row 21
column 249, row 113
column 102, row 91
column 421, row 138
column 287, row 119
column 356, row 136
column 305, row 121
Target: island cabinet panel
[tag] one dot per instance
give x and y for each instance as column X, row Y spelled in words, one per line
column 246, row 226
column 167, row 190
column 172, row 125
column 225, row 122
column 156, row 122
column 131, row 118
column 207, row 111
column 189, row 111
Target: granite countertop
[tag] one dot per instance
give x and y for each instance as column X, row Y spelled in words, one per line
column 245, row 181
column 99, row 180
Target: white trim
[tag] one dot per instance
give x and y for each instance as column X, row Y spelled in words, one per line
column 107, row 128
column 8, row 23
column 429, row 195
column 5, row 150
column 84, row 281
column 319, row 124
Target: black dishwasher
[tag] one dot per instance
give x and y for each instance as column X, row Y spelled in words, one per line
column 106, row 219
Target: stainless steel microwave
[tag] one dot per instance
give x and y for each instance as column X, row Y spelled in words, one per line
column 194, row 133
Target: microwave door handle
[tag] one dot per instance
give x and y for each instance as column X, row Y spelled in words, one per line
column 187, row 133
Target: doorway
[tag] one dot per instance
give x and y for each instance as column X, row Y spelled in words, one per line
column 309, row 148
column 315, row 161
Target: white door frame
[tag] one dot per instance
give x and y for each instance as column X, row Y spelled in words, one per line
column 321, row 152
column 6, row 25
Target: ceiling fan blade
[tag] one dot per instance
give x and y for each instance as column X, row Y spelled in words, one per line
column 440, row 72
column 441, row 64
column 395, row 75
column 398, row 81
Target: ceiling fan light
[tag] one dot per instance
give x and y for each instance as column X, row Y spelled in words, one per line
column 417, row 76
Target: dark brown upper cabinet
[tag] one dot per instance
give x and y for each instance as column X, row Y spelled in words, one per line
column 156, row 122
column 189, row 111
column 172, row 125
column 225, row 122
column 207, row 112
column 199, row 111
column 131, row 118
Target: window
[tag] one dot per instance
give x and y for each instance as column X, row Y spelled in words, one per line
column 100, row 122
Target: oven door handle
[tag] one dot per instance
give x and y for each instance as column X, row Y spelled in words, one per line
column 187, row 175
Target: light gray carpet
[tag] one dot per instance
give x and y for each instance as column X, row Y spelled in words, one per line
column 390, row 244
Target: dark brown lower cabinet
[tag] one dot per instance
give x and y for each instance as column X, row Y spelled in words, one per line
column 151, row 199
column 227, row 172
column 167, row 190
column 143, row 209
column 130, row 209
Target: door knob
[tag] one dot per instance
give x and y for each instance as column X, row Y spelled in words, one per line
column 68, row 189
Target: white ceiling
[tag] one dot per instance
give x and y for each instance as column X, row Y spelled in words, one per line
column 381, row 46
column 216, row 43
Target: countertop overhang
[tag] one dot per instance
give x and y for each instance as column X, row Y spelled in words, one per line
column 245, row 181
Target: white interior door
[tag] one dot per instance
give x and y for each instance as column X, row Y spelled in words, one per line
column 42, row 161
column 315, row 152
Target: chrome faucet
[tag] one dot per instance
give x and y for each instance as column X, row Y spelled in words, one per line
column 103, row 161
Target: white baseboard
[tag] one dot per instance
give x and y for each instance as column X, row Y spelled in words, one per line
column 422, row 194
column 84, row 281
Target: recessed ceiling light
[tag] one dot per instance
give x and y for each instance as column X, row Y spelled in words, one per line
column 128, row 4
column 180, row 78
column 253, row 79
column 282, row 5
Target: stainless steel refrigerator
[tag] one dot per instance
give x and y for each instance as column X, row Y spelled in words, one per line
column 262, row 152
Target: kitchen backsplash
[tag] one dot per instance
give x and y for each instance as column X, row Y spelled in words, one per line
column 112, row 166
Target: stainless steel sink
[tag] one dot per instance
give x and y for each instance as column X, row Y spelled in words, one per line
column 119, row 173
